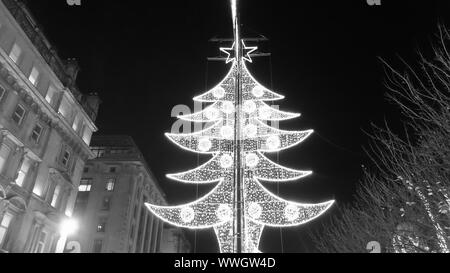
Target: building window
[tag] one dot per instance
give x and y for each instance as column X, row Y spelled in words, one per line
column 112, row 169
column 98, row 152
column 41, row 242
column 101, row 227
column 2, row 92
column 106, row 203
column 23, row 171
column 34, row 75
column 65, row 157
column 86, row 169
column 19, row 114
column 76, row 122
column 98, row 245
column 110, row 183
column 55, row 197
column 15, row 53
column 87, row 134
column 4, row 225
column 50, row 94
column 85, row 185
column 37, row 132
column 64, row 109
column 4, row 156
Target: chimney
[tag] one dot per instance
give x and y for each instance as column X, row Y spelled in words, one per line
column 72, row 69
column 93, row 100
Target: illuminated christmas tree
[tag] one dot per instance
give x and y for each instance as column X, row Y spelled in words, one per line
column 239, row 206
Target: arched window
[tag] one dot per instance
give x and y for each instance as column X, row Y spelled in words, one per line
column 5, row 223
column 56, row 195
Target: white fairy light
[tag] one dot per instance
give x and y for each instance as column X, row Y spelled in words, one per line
column 273, row 142
column 226, row 161
column 204, row 115
column 250, row 130
column 249, row 107
column 251, row 160
column 258, row 91
column 219, row 92
column 204, row 144
column 204, row 174
column 212, row 113
column 266, row 112
column 224, row 212
column 261, row 207
column 227, row 132
column 187, row 215
column 228, row 107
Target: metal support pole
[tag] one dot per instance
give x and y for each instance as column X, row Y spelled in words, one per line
column 238, row 176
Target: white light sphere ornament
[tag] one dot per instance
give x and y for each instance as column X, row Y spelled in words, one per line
column 227, row 132
column 249, row 107
column 258, row 91
column 226, row 161
column 291, row 212
column 265, row 113
column 212, row 113
column 250, row 130
column 204, row 144
column 273, row 142
column 228, row 107
column 187, row 214
column 218, row 92
column 254, row 210
column 224, row 212
column 251, row 160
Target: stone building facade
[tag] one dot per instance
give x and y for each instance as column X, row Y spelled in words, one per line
column 110, row 204
column 46, row 125
column 174, row 241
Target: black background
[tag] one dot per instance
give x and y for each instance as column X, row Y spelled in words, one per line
column 145, row 57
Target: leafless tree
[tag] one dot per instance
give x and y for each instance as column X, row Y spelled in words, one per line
column 404, row 204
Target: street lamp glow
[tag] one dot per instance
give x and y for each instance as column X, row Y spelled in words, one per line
column 69, row 226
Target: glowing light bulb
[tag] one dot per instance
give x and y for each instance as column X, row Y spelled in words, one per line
column 224, row 212
column 187, row 214
column 254, row 210
column 249, row 107
column 227, row 132
column 204, row 144
column 212, row 114
column 226, row 161
column 218, row 92
column 291, row 212
column 251, row 160
column 228, row 107
column 273, row 142
column 250, row 130
column 258, row 91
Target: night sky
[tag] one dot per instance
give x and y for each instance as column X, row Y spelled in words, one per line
column 145, row 57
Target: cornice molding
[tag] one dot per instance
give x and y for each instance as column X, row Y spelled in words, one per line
column 53, row 119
